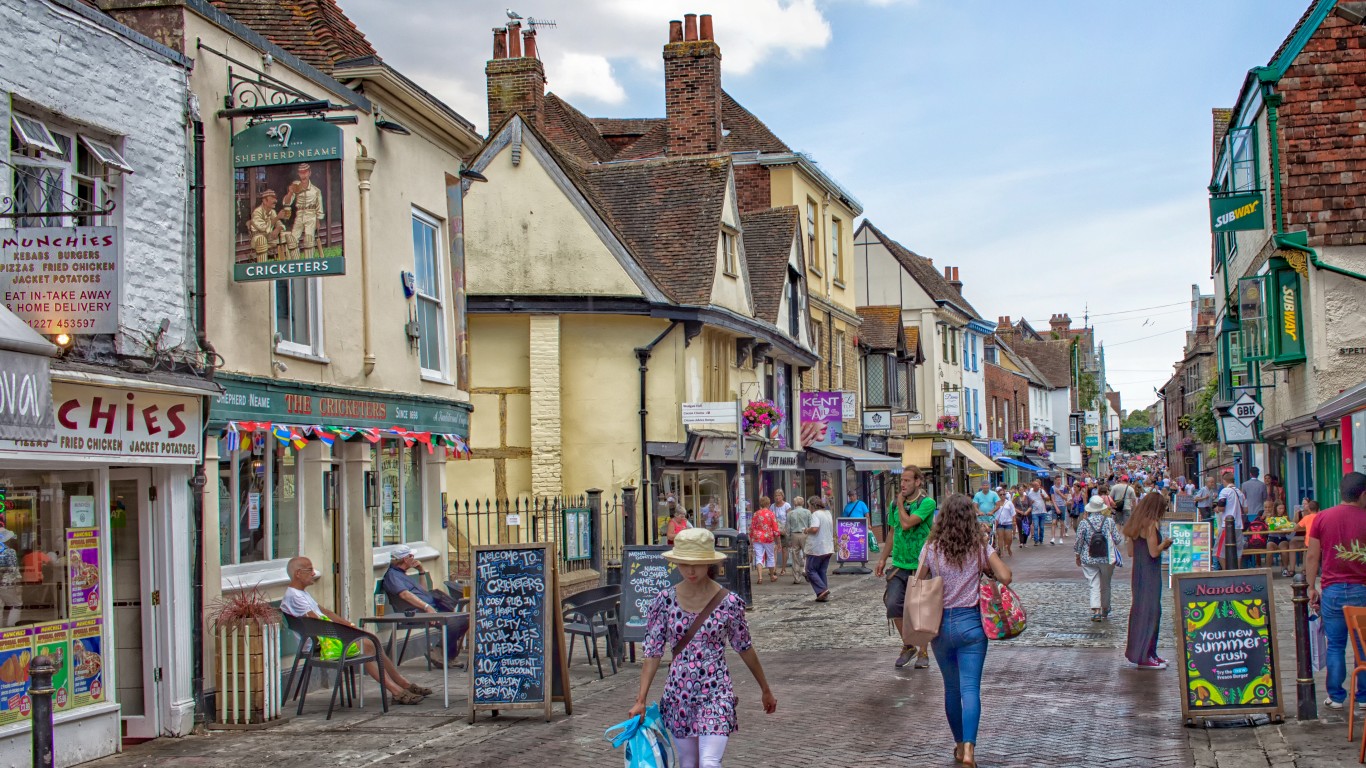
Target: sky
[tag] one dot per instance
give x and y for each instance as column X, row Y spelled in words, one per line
column 1057, row 152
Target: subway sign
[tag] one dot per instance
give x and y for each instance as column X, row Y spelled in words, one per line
column 1234, row 213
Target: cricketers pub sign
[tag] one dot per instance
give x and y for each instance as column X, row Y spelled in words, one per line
column 288, row 218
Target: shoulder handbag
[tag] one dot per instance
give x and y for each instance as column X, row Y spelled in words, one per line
column 1003, row 613
column 923, row 611
column 700, row 620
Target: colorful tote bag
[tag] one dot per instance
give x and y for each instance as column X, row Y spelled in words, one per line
column 1003, row 613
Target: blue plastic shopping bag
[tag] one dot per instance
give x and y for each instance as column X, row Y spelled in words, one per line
column 646, row 741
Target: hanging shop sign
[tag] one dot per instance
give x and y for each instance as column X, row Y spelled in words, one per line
column 1287, row 332
column 782, row 460
column 952, row 402
column 821, row 413
column 877, row 421
column 25, row 397
column 1234, row 213
column 62, row 279
column 96, row 422
column 258, row 401
column 709, row 413
column 288, row 200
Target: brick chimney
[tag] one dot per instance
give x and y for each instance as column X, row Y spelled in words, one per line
column 1061, row 325
column 1005, row 329
column 516, row 77
column 692, row 87
column 951, row 274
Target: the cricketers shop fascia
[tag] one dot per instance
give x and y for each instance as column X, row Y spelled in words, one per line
column 116, row 469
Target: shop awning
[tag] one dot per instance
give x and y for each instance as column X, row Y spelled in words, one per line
column 918, row 452
column 863, row 461
column 975, row 456
column 1348, row 402
column 1020, row 464
column 25, row 357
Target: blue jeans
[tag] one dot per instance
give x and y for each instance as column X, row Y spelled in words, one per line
column 1037, row 524
column 815, row 572
column 1335, row 597
column 961, row 652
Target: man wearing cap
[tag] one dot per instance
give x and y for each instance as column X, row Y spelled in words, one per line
column 1124, row 497
column 267, row 231
column 406, row 594
column 307, row 201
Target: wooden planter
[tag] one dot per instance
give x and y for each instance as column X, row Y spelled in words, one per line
column 248, row 672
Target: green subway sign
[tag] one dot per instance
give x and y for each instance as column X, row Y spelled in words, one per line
column 1234, row 213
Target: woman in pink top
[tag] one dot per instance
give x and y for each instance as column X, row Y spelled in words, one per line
column 958, row 553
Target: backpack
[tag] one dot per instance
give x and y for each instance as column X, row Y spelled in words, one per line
column 1097, row 546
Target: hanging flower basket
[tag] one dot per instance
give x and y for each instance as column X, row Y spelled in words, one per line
column 947, row 424
column 760, row 416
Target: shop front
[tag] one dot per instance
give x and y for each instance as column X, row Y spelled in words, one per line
column 701, row 476
column 341, row 476
column 96, row 519
column 834, row 470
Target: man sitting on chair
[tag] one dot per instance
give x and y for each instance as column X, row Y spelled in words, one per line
column 300, row 604
column 406, row 594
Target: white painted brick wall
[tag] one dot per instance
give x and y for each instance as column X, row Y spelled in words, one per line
column 93, row 76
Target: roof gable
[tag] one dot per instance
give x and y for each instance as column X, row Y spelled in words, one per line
column 1052, row 359
column 743, row 132
column 923, row 272
column 769, row 237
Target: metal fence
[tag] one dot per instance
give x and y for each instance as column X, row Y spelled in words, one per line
column 585, row 529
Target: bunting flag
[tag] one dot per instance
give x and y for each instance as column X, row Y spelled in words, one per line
column 369, row 433
column 297, row 439
column 282, row 433
column 232, row 438
column 298, row 435
column 324, row 434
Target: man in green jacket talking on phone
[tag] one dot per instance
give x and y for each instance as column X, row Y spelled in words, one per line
column 909, row 518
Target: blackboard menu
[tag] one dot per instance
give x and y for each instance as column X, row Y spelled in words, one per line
column 1226, row 637
column 512, row 592
column 1184, row 505
column 644, row 574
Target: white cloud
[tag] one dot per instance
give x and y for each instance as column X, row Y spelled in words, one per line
column 445, row 52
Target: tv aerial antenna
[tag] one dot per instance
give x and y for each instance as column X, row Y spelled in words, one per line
column 531, row 21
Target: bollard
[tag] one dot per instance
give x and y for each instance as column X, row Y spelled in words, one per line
column 1230, row 545
column 742, row 585
column 40, row 692
column 1307, row 704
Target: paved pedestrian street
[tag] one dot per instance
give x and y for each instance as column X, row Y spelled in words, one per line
column 1056, row 696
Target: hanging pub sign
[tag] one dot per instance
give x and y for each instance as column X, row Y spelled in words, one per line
column 62, row 279
column 1288, row 328
column 288, row 201
column 1233, row 213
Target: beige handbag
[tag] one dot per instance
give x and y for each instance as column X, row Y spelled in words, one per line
column 924, row 608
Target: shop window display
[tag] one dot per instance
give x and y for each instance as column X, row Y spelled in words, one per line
column 695, row 489
column 400, row 481
column 258, row 502
column 38, row 510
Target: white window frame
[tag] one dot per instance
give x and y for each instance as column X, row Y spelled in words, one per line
column 235, row 571
column 405, row 536
column 314, row 350
column 730, row 253
column 812, row 236
column 838, row 354
column 34, row 133
column 46, row 152
column 836, row 258
column 442, row 373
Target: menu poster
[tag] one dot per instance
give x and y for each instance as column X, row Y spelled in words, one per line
column 87, row 661
column 54, row 641
column 516, row 660
column 851, row 540
column 1226, row 640
column 16, row 651
column 645, row 573
column 1190, row 549
column 83, row 566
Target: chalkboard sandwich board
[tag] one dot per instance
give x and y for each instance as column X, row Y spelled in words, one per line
column 516, row 649
column 1226, row 644
column 644, row 574
column 1184, row 504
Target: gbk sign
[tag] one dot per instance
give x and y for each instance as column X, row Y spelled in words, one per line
column 1234, row 213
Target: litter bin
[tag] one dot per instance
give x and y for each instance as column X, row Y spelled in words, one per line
column 735, row 569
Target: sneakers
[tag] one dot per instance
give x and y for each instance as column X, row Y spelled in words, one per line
column 1152, row 665
column 909, row 653
column 1330, row 704
column 922, row 661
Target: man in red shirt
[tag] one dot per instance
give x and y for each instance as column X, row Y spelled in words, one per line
column 1338, row 542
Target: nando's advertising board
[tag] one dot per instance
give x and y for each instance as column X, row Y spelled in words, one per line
column 1226, row 644
column 288, row 201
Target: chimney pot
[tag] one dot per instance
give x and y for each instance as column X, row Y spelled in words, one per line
column 948, row 273
column 675, row 31
column 955, row 274
column 705, row 33
column 689, row 27
column 529, row 43
column 500, row 43
column 515, row 40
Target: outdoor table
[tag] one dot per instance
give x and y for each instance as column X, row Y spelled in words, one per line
column 395, row 619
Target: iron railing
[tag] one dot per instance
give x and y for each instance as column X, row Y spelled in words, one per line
column 585, row 529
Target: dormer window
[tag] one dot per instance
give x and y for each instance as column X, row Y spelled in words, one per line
column 730, row 252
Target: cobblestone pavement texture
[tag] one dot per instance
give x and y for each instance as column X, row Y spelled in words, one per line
column 1056, row 696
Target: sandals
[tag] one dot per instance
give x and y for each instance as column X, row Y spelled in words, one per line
column 406, row 697
column 419, row 690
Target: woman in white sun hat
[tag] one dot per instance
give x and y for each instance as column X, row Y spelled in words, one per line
column 696, row 618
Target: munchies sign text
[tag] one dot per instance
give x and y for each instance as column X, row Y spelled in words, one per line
column 100, row 421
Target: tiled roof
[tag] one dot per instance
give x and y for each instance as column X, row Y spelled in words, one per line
column 316, row 31
column 669, row 213
column 1222, row 117
column 625, row 126
column 881, row 327
column 744, row 132
column 768, row 237
column 652, row 143
column 924, row 273
column 1052, row 358
column 573, row 132
column 913, row 340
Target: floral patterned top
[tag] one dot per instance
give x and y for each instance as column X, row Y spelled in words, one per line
column 698, row 697
column 764, row 528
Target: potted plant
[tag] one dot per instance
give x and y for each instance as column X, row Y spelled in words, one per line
column 247, row 665
column 947, row 424
column 760, row 416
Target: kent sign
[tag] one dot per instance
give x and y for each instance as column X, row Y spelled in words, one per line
column 1235, row 213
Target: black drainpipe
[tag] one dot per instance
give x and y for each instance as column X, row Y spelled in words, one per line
column 199, row 481
column 643, row 355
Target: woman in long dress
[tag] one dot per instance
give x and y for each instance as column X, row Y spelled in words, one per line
column 698, row 705
column 1144, row 532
